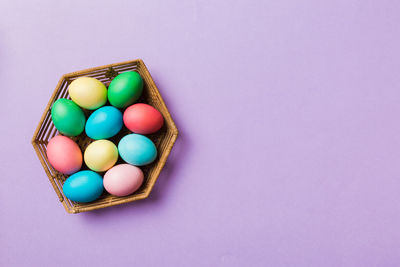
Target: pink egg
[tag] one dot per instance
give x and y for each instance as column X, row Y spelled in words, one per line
column 123, row 179
column 64, row 154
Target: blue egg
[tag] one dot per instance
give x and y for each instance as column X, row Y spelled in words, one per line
column 137, row 149
column 83, row 186
column 104, row 123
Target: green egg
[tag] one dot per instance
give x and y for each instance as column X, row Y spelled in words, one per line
column 125, row 89
column 68, row 117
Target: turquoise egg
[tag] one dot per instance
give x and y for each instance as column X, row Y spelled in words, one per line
column 137, row 149
column 104, row 123
column 83, row 186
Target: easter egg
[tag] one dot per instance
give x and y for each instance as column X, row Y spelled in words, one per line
column 88, row 92
column 143, row 119
column 125, row 89
column 68, row 117
column 83, row 186
column 123, row 179
column 64, row 154
column 101, row 155
column 137, row 149
column 104, row 123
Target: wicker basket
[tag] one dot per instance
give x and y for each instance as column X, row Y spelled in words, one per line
column 163, row 139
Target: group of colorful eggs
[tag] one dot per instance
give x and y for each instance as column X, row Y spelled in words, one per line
column 105, row 122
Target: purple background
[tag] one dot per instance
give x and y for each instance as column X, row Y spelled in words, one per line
column 289, row 144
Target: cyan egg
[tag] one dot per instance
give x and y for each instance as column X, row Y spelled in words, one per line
column 83, row 186
column 137, row 149
column 104, row 123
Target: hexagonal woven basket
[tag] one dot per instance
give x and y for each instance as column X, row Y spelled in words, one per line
column 164, row 139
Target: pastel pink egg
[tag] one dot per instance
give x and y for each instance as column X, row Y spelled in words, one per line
column 123, row 179
column 64, row 154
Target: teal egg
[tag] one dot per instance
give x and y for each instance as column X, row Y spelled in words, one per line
column 68, row 117
column 104, row 123
column 137, row 149
column 83, row 186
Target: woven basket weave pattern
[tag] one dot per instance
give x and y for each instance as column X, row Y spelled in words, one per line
column 163, row 139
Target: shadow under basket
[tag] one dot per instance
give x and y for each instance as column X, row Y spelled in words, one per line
column 164, row 139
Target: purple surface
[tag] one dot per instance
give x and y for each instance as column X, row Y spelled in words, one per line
column 289, row 144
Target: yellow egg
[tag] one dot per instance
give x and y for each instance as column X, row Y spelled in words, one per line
column 101, row 155
column 88, row 92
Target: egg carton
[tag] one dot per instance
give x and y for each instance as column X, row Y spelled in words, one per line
column 164, row 139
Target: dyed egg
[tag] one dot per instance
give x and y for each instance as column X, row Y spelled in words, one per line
column 143, row 119
column 68, row 117
column 123, row 179
column 83, row 186
column 88, row 92
column 125, row 89
column 104, row 123
column 64, row 154
column 101, row 155
column 137, row 149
